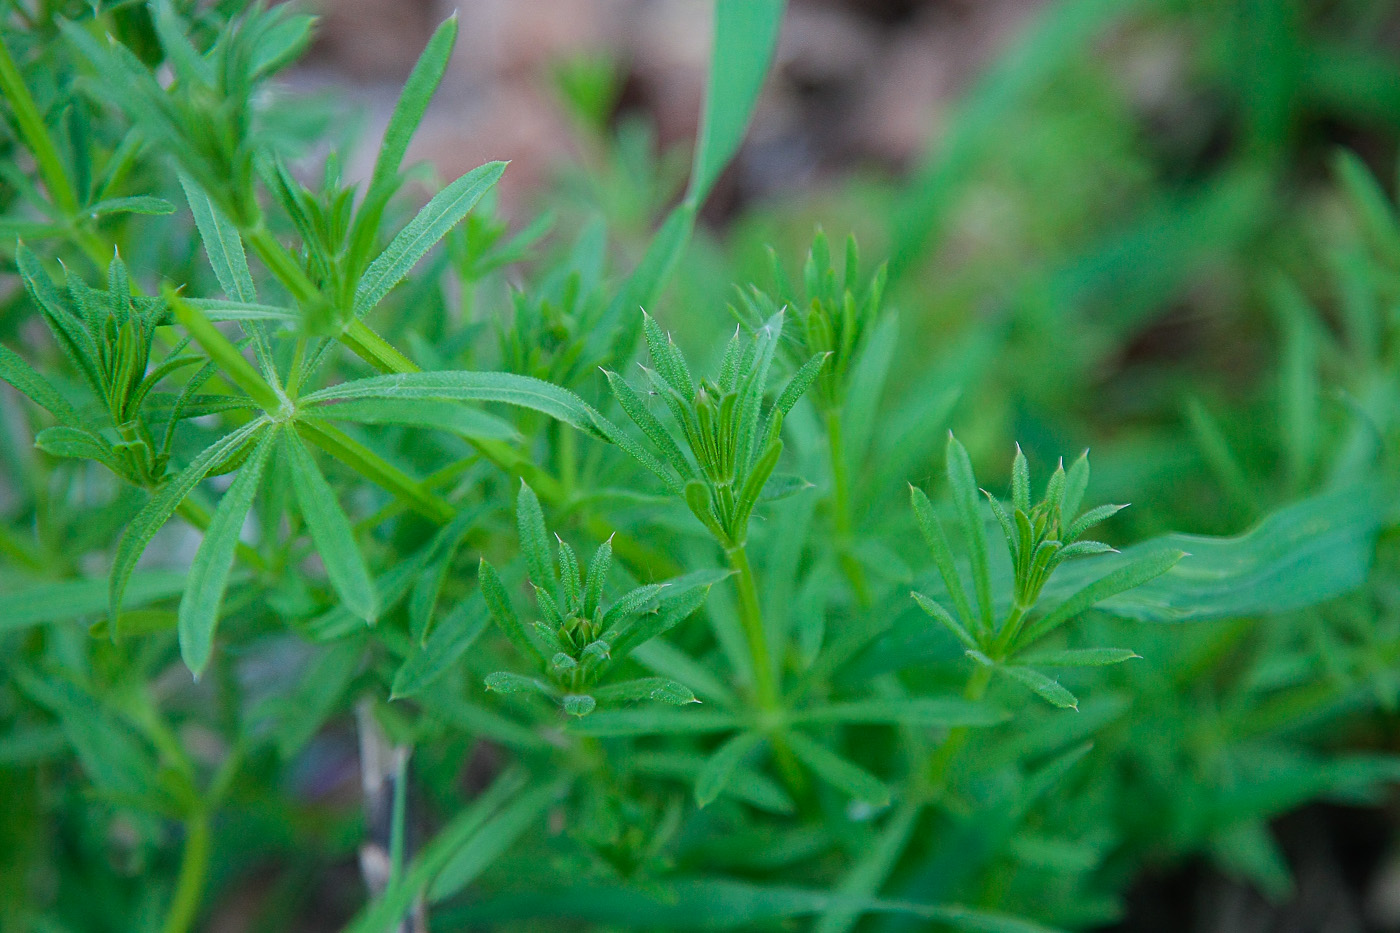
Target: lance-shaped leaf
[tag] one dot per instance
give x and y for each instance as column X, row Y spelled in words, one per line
column 719, row 769
column 534, row 538
column 932, row 531
column 841, row 774
column 331, row 531
column 209, row 573
column 498, row 602
column 660, row 689
column 431, row 223
column 1147, row 567
column 1044, row 687
column 18, row 373
column 164, row 503
column 964, row 488
column 1080, row 657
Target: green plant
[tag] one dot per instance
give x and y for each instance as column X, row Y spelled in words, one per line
column 733, row 714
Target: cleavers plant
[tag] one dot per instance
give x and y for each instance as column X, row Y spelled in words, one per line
column 289, row 476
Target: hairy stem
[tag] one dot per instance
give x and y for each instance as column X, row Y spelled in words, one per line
column 751, row 615
column 841, row 511
column 765, row 679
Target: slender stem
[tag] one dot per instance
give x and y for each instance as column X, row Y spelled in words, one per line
column 765, row 680
column 751, row 615
column 841, row 510
column 1010, row 629
column 283, row 266
column 942, row 760
column 194, row 866
column 361, row 339
column 374, row 467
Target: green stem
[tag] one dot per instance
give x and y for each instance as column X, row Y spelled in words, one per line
column 942, row 760
column 361, row 339
column 375, row 468
column 1009, row 630
column 751, row 615
column 31, row 126
column 765, row 680
column 283, row 266
column 194, row 865
column 841, row 510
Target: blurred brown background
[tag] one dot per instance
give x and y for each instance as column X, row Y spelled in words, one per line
column 857, row 81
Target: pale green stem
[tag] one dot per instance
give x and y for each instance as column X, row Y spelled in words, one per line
column 751, row 615
column 375, row 468
column 841, row 510
column 765, row 680
column 194, row 866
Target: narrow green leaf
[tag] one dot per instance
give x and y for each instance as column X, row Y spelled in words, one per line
column 964, row 488
column 209, row 573
column 720, row 767
column 651, row 426
column 1076, row 483
column 487, row 844
column 18, row 373
column 534, row 538
column 942, row 554
column 498, row 603
column 44, row 603
column 386, row 912
column 920, row 711
column 164, row 503
column 945, row 618
column 508, row 682
column 745, row 34
column 1145, row 568
column 1080, row 657
column 141, row 204
column 222, row 244
column 330, row 530
column 1091, row 518
column 1044, row 687
column 509, row 388
column 660, row 689
column 412, row 104
column 419, row 413
column 838, row 772
column 1020, row 482
column 431, row 223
